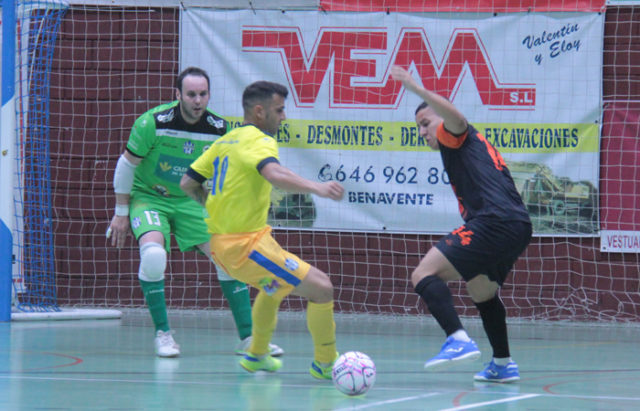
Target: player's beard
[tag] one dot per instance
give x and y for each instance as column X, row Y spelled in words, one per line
column 191, row 115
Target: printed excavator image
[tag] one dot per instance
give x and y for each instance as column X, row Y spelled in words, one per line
column 291, row 209
column 556, row 204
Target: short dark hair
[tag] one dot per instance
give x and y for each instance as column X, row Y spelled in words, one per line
column 421, row 106
column 191, row 71
column 260, row 91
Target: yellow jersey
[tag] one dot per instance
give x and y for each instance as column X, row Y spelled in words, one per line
column 240, row 197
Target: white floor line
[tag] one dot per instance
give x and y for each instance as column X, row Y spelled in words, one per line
column 482, row 404
column 387, row 402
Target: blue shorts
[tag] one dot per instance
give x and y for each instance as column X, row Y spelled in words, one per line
column 486, row 246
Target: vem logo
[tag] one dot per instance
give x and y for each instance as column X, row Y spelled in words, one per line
column 341, row 54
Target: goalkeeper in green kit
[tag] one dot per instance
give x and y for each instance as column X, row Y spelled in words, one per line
column 163, row 143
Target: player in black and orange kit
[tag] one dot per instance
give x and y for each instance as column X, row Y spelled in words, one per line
column 496, row 231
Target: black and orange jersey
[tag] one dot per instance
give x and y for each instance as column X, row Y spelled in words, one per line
column 479, row 177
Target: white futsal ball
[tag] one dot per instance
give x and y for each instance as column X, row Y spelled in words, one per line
column 353, row 373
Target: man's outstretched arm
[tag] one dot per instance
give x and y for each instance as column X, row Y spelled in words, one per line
column 454, row 120
column 285, row 179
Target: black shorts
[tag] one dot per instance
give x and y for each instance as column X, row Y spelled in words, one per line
column 486, row 246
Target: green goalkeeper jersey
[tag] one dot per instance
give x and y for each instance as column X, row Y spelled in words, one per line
column 168, row 145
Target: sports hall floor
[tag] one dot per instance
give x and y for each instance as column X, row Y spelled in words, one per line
column 110, row 365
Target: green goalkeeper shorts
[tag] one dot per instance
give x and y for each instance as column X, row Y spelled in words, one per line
column 181, row 216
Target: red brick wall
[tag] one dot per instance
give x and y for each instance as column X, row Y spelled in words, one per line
column 113, row 64
column 110, row 65
column 620, row 159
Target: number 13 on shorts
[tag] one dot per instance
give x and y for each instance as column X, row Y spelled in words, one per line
column 152, row 217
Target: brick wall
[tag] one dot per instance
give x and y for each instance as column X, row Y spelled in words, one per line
column 113, row 64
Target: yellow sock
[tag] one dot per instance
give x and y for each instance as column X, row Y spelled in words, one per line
column 323, row 331
column 265, row 317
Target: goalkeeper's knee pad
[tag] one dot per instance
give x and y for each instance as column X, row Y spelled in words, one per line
column 153, row 262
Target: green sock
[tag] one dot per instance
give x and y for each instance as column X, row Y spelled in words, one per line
column 154, row 296
column 237, row 295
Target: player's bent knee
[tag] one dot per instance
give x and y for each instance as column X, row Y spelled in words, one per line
column 324, row 289
column 481, row 288
column 417, row 276
column 316, row 287
column 324, row 293
column 321, row 295
column 153, row 262
column 419, row 273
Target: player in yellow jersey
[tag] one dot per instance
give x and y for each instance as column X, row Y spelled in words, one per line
column 244, row 166
column 149, row 202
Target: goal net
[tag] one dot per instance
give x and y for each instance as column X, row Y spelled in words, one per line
column 557, row 93
column 36, row 27
column 31, row 36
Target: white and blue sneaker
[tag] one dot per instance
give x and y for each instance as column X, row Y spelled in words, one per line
column 499, row 373
column 453, row 351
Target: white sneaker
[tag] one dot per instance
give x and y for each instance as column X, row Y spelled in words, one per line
column 165, row 345
column 243, row 347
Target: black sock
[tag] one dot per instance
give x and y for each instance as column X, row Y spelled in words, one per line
column 494, row 320
column 436, row 294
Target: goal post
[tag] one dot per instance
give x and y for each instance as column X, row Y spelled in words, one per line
column 30, row 30
column 7, row 148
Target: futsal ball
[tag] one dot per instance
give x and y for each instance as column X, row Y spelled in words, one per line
column 353, row 373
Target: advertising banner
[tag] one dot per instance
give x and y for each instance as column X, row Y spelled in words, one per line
column 530, row 83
